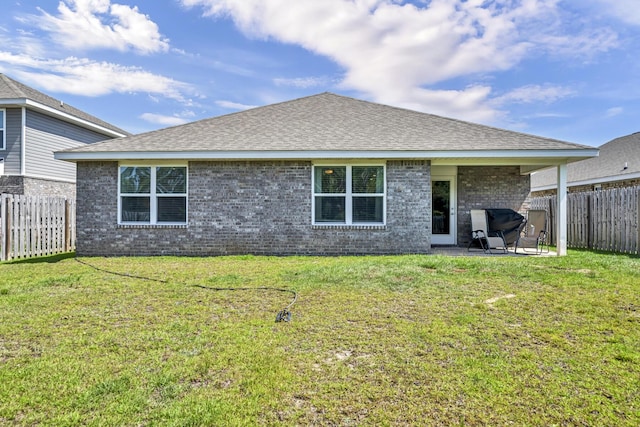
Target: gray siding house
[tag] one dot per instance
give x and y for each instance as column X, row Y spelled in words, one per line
column 617, row 165
column 34, row 125
column 324, row 174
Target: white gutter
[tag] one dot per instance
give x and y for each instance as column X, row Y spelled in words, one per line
column 23, row 102
column 534, row 156
column 600, row 180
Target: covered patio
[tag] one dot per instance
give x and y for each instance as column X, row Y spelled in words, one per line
column 450, row 250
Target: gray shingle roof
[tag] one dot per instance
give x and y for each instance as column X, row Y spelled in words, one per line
column 327, row 122
column 608, row 166
column 13, row 89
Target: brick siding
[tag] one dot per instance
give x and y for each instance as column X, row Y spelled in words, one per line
column 253, row 208
column 488, row 187
column 37, row 187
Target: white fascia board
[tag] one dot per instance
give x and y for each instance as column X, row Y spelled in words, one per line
column 13, row 102
column 591, row 181
column 22, row 102
column 551, row 156
column 545, row 187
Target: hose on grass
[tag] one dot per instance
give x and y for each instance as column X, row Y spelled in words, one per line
column 283, row 315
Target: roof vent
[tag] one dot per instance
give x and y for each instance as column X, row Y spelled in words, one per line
column 61, row 103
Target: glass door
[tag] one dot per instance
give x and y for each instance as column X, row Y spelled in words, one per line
column 443, row 210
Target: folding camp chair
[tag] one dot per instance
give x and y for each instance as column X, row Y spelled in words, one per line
column 480, row 233
column 534, row 233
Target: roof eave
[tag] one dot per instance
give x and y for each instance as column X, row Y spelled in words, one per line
column 25, row 102
column 546, row 157
column 592, row 181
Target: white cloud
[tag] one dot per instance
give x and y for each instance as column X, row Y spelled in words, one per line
column 581, row 46
column 534, row 93
column 393, row 50
column 160, row 119
column 302, row 82
column 614, row 111
column 468, row 103
column 233, row 105
column 625, row 10
column 548, row 115
column 91, row 78
column 98, row 24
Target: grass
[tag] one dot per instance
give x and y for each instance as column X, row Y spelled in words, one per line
column 397, row 340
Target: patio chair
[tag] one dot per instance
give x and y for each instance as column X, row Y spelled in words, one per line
column 534, row 233
column 481, row 235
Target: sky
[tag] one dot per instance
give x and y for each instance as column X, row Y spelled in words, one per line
column 568, row 70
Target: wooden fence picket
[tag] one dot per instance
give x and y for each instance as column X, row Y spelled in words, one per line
column 604, row 220
column 33, row 226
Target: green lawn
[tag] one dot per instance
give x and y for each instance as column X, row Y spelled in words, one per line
column 397, row 340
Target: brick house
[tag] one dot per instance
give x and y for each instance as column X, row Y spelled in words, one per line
column 324, row 174
column 617, row 165
column 34, row 125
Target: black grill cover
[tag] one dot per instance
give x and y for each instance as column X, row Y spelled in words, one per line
column 506, row 220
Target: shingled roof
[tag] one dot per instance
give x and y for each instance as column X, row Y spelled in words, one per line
column 619, row 159
column 14, row 92
column 320, row 124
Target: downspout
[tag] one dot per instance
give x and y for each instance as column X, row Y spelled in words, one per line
column 23, row 145
column 561, row 223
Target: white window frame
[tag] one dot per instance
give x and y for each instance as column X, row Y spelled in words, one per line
column 349, row 195
column 153, row 203
column 3, row 127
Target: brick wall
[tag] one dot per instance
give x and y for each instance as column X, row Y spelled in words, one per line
column 253, row 208
column 49, row 187
column 37, row 187
column 488, row 187
column 11, row 184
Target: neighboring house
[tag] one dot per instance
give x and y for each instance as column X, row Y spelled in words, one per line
column 325, row 174
column 617, row 165
column 33, row 126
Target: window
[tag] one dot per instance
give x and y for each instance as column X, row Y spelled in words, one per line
column 152, row 195
column 349, row 194
column 2, row 128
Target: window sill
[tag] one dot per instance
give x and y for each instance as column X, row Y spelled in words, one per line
column 349, row 227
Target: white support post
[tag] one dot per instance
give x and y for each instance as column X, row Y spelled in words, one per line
column 561, row 216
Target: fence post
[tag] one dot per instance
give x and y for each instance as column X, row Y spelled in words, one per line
column 589, row 224
column 3, row 228
column 7, row 215
column 67, row 226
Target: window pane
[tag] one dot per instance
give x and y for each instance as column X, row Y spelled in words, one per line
column 440, row 200
column 330, row 179
column 172, row 209
column 136, row 209
column 367, row 179
column 367, row 209
column 171, row 180
column 135, row 180
column 330, row 209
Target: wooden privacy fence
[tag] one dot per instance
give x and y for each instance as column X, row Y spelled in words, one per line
column 604, row 220
column 36, row 226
